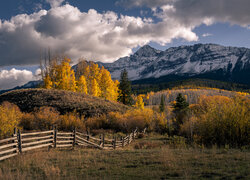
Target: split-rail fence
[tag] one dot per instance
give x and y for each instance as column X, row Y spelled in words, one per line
column 23, row 142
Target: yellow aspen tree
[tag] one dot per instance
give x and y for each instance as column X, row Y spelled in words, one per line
column 105, row 84
column 65, row 76
column 116, row 90
column 72, row 81
column 95, row 90
column 109, row 88
column 52, row 71
column 139, row 102
column 94, row 71
column 82, row 85
column 47, row 82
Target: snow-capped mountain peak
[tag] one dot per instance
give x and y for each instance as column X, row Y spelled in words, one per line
column 146, row 51
column 193, row 60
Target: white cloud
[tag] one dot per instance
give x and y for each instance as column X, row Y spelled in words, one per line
column 107, row 36
column 206, row 34
column 55, row 3
column 92, row 35
column 199, row 11
column 12, row 78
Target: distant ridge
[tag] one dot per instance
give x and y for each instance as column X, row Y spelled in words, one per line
column 31, row 84
column 210, row 61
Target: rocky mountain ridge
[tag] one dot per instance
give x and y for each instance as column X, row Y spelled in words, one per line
column 188, row 61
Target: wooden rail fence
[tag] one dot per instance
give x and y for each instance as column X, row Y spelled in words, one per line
column 22, row 142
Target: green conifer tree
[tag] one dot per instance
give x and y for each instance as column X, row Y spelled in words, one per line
column 180, row 111
column 125, row 89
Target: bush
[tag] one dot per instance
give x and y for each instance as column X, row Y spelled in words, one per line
column 42, row 119
column 220, row 120
column 128, row 121
column 10, row 116
column 70, row 120
column 45, row 117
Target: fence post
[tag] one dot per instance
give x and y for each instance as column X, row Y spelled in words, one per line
column 114, row 142
column 88, row 135
column 122, row 141
column 74, row 137
column 55, row 135
column 128, row 138
column 103, row 140
column 100, row 137
column 19, row 141
column 133, row 135
column 14, row 135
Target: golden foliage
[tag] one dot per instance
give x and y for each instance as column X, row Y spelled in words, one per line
column 90, row 79
column 10, row 116
column 220, row 120
column 82, row 85
column 139, row 102
column 47, row 82
column 129, row 121
column 45, row 117
column 65, row 76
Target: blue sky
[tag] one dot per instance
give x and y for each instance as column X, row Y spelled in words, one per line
column 106, row 30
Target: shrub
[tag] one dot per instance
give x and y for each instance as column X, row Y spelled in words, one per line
column 97, row 122
column 10, row 116
column 42, row 119
column 70, row 120
column 220, row 120
column 45, row 117
column 128, row 121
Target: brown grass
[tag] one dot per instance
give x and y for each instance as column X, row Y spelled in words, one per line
column 63, row 101
column 160, row 161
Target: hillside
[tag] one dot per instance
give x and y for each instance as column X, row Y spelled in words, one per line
column 64, row 101
column 147, row 85
column 209, row 61
column 191, row 94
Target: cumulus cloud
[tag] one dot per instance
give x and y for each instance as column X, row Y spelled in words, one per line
column 12, row 78
column 91, row 35
column 107, row 36
column 199, row 11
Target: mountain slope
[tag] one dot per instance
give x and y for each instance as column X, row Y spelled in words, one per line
column 31, row 84
column 201, row 60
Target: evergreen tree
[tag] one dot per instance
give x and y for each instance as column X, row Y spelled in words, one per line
column 125, row 89
column 162, row 104
column 181, row 103
column 180, row 111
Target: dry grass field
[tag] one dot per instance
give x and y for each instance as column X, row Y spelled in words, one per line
column 152, row 157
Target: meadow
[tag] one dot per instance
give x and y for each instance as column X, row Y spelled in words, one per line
column 152, row 157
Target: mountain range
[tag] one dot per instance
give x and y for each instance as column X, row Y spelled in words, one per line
column 209, row 61
column 206, row 61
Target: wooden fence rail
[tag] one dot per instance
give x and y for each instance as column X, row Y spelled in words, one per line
column 22, row 142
